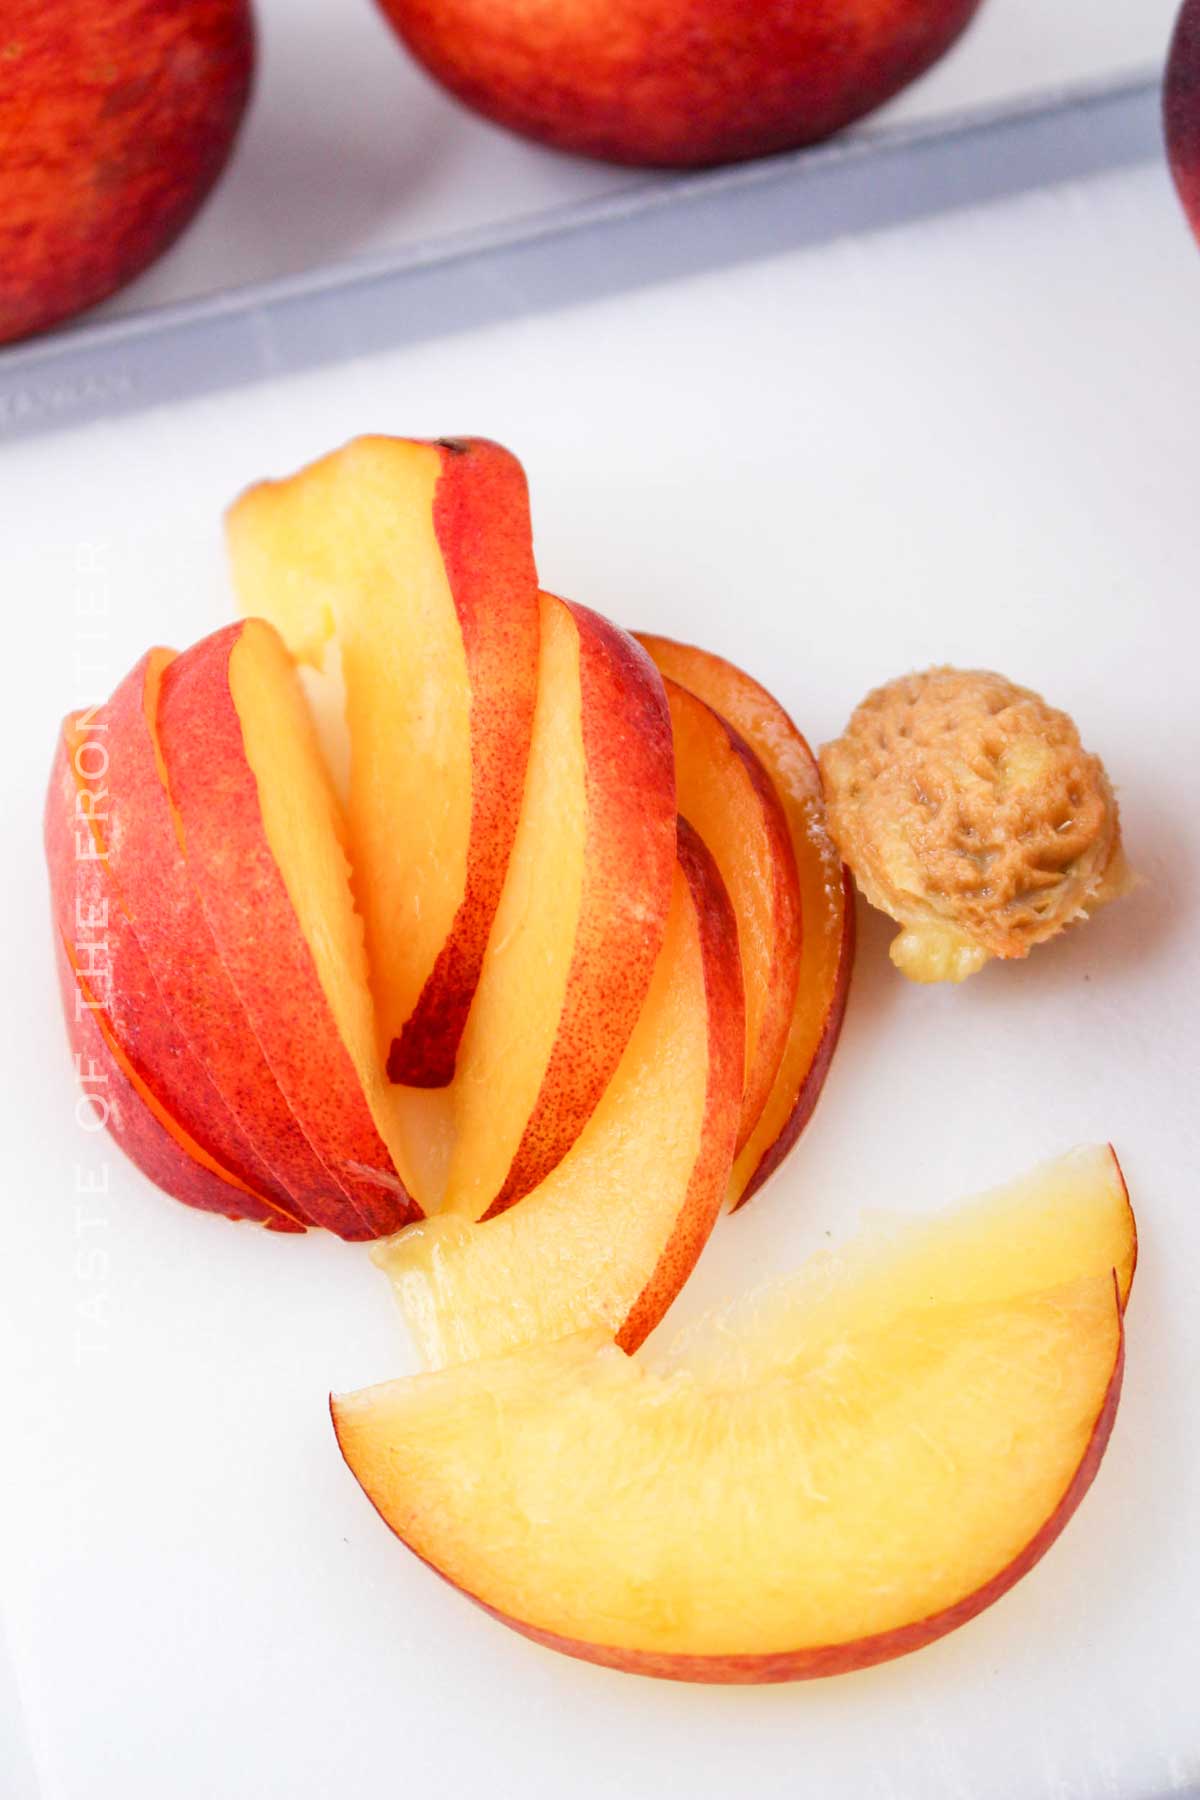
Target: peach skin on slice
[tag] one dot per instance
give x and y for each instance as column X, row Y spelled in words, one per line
column 110, row 969
column 413, row 562
column 614, row 1230
column 143, row 847
column 827, row 901
column 116, row 1098
column 581, row 917
column 904, row 1465
column 265, row 845
column 727, row 795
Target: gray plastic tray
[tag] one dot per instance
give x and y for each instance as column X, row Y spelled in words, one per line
column 854, row 184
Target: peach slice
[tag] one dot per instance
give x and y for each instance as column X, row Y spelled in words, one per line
column 613, row 1232
column 827, row 900
column 581, row 918
column 414, row 560
column 109, row 979
column 116, row 1099
column 265, row 844
column 786, row 1495
column 727, row 795
column 143, row 848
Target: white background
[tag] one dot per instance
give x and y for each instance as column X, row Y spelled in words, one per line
column 973, row 440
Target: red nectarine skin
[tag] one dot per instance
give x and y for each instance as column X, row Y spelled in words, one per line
column 677, row 82
column 104, row 949
column 829, row 917
column 629, row 863
column 1181, row 109
column 814, row 1081
column 149, row 870
column 708, row 753
column 1112, row 1150
column 811, row 1662
column 785, row 968
column 481, row 521
column 116, row 117
column 256, row 931
column 723, row 1094
column 110, row 1099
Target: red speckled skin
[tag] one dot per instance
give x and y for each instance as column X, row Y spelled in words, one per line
column 745, row 703
column 98, row 941
column 783, row 975
column 481, row 521
column 116, row 117
column 628, row 870
column 723, row 1094
column 810, row 1089
column 149, row 871
column 147, row 1143
column 677, row 82
column 258, row 937
column 1181, row 109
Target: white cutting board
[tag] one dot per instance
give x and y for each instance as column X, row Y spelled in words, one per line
column 977, row 439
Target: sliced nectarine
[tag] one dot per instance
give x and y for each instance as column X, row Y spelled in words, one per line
column 779, row 1497
column 581, row 918
column 265, row 844
column 415, row 560
column 827, row 899
column 612, row 1233
column 112, row 981
column 726, row 794
column 115, row 1098
column 143, row 846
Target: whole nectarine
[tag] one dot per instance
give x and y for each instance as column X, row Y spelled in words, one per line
column 677, row 82
column 116, row 117
column 1181, row 109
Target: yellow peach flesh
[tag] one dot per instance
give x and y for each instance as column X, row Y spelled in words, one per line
column 827, row 950
column 518, row 1004
column 306, row 835
column 767, row 1491
column 580, row 1249
column 724, row 792
column 346, row 550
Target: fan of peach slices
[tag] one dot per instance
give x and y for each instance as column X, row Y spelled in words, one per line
column 435, row 910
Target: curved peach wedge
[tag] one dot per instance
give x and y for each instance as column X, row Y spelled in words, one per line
column 265, row 844
column 115, row 1098
column 727, row 795
column 413, row 563
column 612, row 1233
column 581, row 917
column 116, row 1011
column 906, row 1463
column 146, row 864
column 827, row 900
